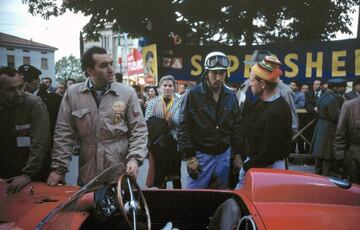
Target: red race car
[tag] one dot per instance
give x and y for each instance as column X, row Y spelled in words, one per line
column 270, row 199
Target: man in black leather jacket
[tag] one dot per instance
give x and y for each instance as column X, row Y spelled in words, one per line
column 209, row 126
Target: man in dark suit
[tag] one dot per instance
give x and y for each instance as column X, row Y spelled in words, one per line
column 313, row 96
column 356, row 90
column 329, row 105
column 32, row 85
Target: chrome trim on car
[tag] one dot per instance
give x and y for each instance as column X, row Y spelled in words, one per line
column 345, row 184
column 246, row 223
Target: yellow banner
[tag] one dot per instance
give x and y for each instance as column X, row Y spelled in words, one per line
column 150, row 64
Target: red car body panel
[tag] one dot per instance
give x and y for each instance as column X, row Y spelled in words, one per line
column 26, row 209
column 296, row 200
column 276, row 199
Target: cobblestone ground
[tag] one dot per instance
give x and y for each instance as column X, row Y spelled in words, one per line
column 71, row 177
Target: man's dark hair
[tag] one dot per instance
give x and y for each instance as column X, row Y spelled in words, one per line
column 70, row 79
column 297, row 83
column 356, row 81
column 137, row 88
column 9, row 71
column 318, row 79
column 47, row 78
column 306, row 85
column 119, row 77
column 87, row 60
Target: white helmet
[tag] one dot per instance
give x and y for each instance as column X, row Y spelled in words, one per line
column 216, row 61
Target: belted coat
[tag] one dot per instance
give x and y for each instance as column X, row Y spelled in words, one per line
column 110, row 133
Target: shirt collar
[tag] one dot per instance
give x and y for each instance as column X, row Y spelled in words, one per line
column 91, row 86
column 35, row 92
column 273, row 97
column 110, row 87
column 205, row 89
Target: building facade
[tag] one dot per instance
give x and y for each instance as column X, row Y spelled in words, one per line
column 15, row 51
column 119, row 45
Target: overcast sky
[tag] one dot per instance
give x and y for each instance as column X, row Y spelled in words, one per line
column 61, row 32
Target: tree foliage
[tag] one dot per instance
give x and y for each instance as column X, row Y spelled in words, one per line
column 68, row 67
column 211, row 21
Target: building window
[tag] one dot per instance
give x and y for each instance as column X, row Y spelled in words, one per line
column 26, row 51
column 11, row 61
column 44, row 63
column 26, row 60
column 43, row 52
column 10, row 49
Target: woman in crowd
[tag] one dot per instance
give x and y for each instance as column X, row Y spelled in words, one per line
column 151, row 94
column 161, row 116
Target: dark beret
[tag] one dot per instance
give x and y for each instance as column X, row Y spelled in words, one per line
column 337, row 82
column 29, row 72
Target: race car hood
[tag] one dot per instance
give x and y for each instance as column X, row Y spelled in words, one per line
column 24, row 210
column 302, row 200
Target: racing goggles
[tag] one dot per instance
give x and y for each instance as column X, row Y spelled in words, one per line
column 217, row 62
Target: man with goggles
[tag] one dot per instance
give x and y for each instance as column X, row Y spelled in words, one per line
column 216, row 60
column 209, row 126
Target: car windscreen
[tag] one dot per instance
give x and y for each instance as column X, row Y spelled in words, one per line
column 65, row 212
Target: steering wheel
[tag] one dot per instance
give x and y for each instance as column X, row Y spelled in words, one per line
column 132, row 202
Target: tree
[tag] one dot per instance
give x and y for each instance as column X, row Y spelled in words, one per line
column 68, row 67
column 211, row 21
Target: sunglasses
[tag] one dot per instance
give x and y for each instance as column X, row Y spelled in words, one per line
column 217, row 61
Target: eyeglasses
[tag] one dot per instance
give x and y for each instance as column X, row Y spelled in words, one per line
column 217, row 61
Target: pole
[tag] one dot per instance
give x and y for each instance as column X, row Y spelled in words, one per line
column 81, row 44
column 126, row 53
column 358, row 32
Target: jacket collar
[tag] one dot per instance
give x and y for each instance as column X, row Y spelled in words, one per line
column 204, row 89
column 114, row 87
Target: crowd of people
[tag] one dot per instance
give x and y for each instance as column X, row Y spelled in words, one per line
column 221, row 134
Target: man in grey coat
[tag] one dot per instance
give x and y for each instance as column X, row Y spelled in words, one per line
column 347, row 139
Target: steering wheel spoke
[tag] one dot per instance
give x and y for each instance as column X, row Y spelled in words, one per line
column 132, row 202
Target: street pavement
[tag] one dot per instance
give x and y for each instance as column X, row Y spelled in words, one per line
column 71, row 176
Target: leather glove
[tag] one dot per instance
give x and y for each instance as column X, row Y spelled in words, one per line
column 17, row 183
column 237, row 163
column 193, row 167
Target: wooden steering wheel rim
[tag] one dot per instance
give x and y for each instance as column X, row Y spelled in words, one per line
column 139, row 195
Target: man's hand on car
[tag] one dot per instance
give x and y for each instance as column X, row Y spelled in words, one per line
column 132, row 168
column 17, row 183
column 55, row 178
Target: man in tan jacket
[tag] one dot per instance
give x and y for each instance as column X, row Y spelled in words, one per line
column 107, row 119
